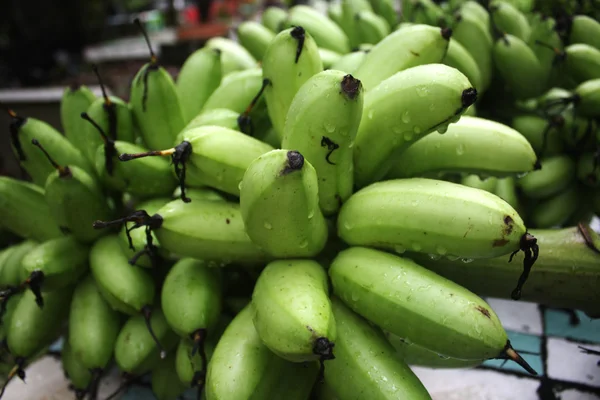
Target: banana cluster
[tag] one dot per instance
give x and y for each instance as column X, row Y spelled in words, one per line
column 308, row 210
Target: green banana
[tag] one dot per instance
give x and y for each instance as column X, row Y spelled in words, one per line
column 135, row 350
column 234, row 57
column 588, row 171
column 75, row 100
column 155, row 103
column 428, row 12
column 427, row 105
column 78, row 375
column 75, row 199
column 335, row 13
column 292, row 311
column 518, row 66
column 387, row 10
column 543, row 31
column 11, row 274
column 402, row 49
column 279, row 204
column 506, row 189
column 290, row 60
column 199, row 77
column 585, row 29
column 273, row 17
column 488, row 184
column 414, row 354
column 356, row 373
column 587, row 98
column 326, row 33
column 556, row 210
column 23, row 210
column 322, row 124
column 255, row 37
column 370, row 27
column 350, row 62
column 582, row 62
column 419, row 305
column 476, row 9
column 216, row 116
column 242, row 367
column 328, row 57
column 458, row 57
column 544, row 134
column 93, row 326
column 164, row 381
column 464, row 149
column 508, row 19
column 556, row 174
column 565, row 277
column 24, row 129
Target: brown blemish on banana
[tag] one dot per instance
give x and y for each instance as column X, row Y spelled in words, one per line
column 484, row 311
column 414, row 53
column 509, row 225
column 499, row 242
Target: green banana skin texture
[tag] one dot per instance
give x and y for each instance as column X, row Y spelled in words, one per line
column 357, row 373
column 255, row 37
column 417, row 304
column 287, row 74
column 292, row 311
column 506, row 189
column 208, row 230
column 335, row 13
column 414, row 354
column 164, row 381
column 587, row 173
column 585, row 29
column 204, row 193
column 220, row 156
column 11, row 304
column 578, row 133
column 126, row 288
column 371, row 28
column 488, row 184
column 63, row 261
column 279, row 203
column 556, row 174
column 234, row 57
column 384, row 132
column 156, row 107
column 33, row 161
column 556, row 210
column 328, row 57
column 79, row 376
column 135, row 351
column 12, row 266
column 582, row 62
column 199, row 77
column 349, row 9
column 566, row 274
column 386, row 9
column 507, row 18
column 74, row 101
column 409, row 47
column 191, row 297
column 464, row 148
column 417, row 218
column 31, row 328
column 327, row 112
column 542, row 29
column 326, row 33
column 458, row 57
column 236, row 91
column 533, row 128
column 242, row 367
column 93, row 326
column 350, row 62
column 588, row 98
column 216, row 116
column 273, row 17
column 76, row 200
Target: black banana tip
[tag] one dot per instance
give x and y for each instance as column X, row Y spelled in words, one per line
column 537, row 165
column 446, row 33
column 295, row 161
column 511, row 354
column 324, row 348
column 469, row 97
column 350, row 86
column 298, row 32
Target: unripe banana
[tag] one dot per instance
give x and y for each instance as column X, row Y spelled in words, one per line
column 508, row 19
column 164, row 381
column 585, row 29
column 587, row 98
column 350, row 62
column 93, row 326
column 273, row 17
column 349, row 9
column 75, row 371
column 321, row 124
column 543, row 31
column 198, row 78
column 279, row 203
column 506, row 189
column 464, row 148
column 217, row 116
column 556, row 174
column 588, row 171
column 290, row 60
column 518, row 66
column 292, row 311
column 23, row 130
column 75, row 100
column 437, row 313
column 544, row 134
column 255, row 37
column 403, row 49
column 474, row 34
column 356, row 372
column 324, row 31
column 566, row 277
column 386, row 9
column 328, row 57
column 556, row 210
column 474, row 8
column 11, row 274
column 23, row 210
column 370, row 27
column 458, row 57
column 488, row 184
column 582, row 62
column 242, row 367
column 234, row 57
column 427, row 105
column 155, row 103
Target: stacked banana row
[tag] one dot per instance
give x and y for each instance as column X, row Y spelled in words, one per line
column 290, row 218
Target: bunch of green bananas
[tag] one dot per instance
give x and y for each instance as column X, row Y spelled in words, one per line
column 331, row 212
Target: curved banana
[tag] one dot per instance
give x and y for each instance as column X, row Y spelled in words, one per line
column 75, row 371
column 234, row 57
column 350, row 62
column 387, row 10
column 370, row 27
column 582, row 62
column 411, row 46
column 321, row 124
column 543, row 31
column 324, row 31
column 587, row 98
column 328, row 57
column 292, row 311
column 272, row 17
column 11, row 274
column 236, row 91
column 279, row 202
column 216, row 116
column 556, row 210
column 464, row 148
column 255, row 37
column 458, row 57
column 544, row 134
column 556, row 174
column 585, row 29
column 349, row 9
column 506, row 189
column 404, row 108
column 508, row 19
column 164, row 381
column 488, row 184
column 75, row 100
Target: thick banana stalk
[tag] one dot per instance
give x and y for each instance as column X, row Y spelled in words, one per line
column 404, row 108
column 321, row 124
column 465, row 148
column 411, row 46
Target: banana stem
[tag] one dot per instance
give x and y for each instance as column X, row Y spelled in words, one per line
column 511, row 354
column 299, row 34
column 244, row 121
column 17, row 370
column 531, row 249
column 15, row 124
column 199, row 379
column 63, row 172
column 147, row 314
column 139, row 218
column 108, row 106
column 109, row 145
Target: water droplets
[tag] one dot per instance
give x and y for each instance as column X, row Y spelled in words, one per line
column 466, row 260
column 240, row 185
column 417, row 130
column 522, row 174
column 355, row 296
column 303, row 244
column 460, row 149
column 452, row 257
column 399, row 249
column 443, row 357
column 329, row 127
column 441, row 250
column 442, row 129
column 311, row 213
column 416, row 247
column 434, row 257
column 407, row 136
column 370, row 114
column 422, row 91
column 347, row 225
column 268, row 226
column 406, row 117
